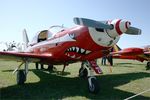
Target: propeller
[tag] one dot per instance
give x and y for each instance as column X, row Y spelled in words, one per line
column 133, row 31
column 103, row 25
column 91, row 23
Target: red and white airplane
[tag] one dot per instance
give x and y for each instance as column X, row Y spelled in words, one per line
column 133, row 53
column 85, row 42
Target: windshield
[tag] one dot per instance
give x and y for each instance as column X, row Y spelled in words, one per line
column 55, row 29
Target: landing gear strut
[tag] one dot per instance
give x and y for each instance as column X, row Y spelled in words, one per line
column 87, row 71
column 83, row 73
column 148, row 66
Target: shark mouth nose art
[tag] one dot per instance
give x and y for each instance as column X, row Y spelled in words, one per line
column 76, row 52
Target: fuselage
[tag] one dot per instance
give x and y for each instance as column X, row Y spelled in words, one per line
column 76, row 44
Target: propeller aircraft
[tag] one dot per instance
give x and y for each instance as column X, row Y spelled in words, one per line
column 83, row 43
column 133, row 53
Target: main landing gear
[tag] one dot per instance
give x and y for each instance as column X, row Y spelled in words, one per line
column 21, row 74
column 86, row 71
column 148, row 66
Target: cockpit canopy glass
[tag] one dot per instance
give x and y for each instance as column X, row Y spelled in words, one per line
column 47, row 34
column 56, row 29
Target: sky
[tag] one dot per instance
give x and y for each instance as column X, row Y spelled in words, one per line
column 36, row 15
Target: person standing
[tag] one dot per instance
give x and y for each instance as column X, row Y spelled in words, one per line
column 110, row 58
column 37, row 65
column 103, row 62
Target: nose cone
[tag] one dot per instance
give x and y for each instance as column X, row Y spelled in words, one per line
column 124, row 25
column 119, row 26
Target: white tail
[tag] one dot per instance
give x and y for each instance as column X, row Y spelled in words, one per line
column 25, row 38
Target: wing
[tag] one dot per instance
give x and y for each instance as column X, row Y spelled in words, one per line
column 147, row 53
column 21, row 56
column 129, row 52
column 132, row 53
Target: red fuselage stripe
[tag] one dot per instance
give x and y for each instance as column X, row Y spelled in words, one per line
column 118, row 28
column 126, row 25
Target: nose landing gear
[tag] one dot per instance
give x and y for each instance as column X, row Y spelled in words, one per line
column 93, row 85
column 86, row 71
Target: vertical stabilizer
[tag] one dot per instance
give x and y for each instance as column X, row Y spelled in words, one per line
column 25, row 38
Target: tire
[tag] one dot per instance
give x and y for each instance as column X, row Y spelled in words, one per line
column 83, row 73
column 21, row 77
column 37, row 65
column 42, row 67
column 50, row 67
column 148, row 66
column 94, row 88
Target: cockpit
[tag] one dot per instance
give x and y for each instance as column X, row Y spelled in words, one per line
column 47, row 34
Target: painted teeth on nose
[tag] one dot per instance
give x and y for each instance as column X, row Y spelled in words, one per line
column 83, row 51
column 78, row 57
column 73, row 56
column 68, row 55
column 73, row 48
column 87, row 52
column 77, row 49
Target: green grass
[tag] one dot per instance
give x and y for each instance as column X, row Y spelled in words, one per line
column 127, row 78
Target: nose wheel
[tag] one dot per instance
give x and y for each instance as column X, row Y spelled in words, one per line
column 86, row 71
column 93, row 85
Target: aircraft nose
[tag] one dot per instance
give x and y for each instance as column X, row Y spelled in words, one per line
column 124, row 25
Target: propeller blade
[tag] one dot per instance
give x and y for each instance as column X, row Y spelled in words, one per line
column 91, row 23
column 133, row 31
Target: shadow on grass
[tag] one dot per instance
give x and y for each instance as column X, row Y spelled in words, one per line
column 12, row 70
column 51, row 72
column 122, row 63
column 127, row 64
column 58, row 87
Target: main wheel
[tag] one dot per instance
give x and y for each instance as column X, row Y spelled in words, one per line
column 50, row 67
column 93, row 85
column 37, row 65
column 42, row 67
column 148, row 66
column 83, row 72
column 21, row 77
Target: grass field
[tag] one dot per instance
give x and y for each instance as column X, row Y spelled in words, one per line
column 127, row 78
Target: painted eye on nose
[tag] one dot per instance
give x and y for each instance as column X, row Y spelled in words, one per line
column 72, row 35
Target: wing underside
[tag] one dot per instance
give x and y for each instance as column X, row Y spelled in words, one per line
column 22, row 56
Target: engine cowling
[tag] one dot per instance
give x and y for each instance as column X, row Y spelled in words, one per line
column 119, row 26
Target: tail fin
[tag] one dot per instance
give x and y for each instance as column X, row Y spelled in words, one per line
column 25, row 38
column 116, row 48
